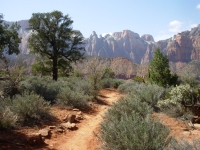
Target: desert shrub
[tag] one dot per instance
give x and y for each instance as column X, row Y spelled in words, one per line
column 80, row 84
column 108, row 73
column 127, row 105
column 177, row 94
column 128, row 125
column 174, row 111
column 7, row 118
column 191, row 81
column 77, row 73
column 138, row 79
column 75, row 99
column 12, row 71
column 127, row 87
column 149, row 93
column 44, row 86
column 111, row 83
column 95, row 76
column 30, row 106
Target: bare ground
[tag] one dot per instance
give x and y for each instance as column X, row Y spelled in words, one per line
column 81, row 139
column 84, row 138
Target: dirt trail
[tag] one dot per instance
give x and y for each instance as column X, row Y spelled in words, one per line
column 84, row 138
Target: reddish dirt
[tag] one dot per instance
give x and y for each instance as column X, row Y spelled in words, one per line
column 81, row 139
column 179, row 129
column 84, row 138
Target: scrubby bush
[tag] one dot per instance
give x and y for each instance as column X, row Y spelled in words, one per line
column 7, row 118
column 111, row 83
column 30, row 106
column 77, row 73
column 127, row 87
column 177, row 94
column 108, row 73
column 128, row 125
column 138, row 79
column 149, row 93
column 127, row 105
column 44, row 86
column 95, row 76
column 75, row 99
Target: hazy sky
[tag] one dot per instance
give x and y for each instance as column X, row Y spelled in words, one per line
column 160, row 18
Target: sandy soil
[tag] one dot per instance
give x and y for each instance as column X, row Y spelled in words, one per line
column 179, row 129
column 84, row 138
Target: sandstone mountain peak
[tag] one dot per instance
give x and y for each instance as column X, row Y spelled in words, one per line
column 147, row 37
column 93, row 33
column 182, row 47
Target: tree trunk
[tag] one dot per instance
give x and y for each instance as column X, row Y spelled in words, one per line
column 55, row 69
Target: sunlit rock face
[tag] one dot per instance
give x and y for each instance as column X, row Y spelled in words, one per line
column 182, row 47
column 120, row 44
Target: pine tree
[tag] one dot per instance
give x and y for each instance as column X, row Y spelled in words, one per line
column 53, row 38
column 159, row 72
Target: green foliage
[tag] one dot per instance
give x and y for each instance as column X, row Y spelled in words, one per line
column 9, row 40
column 7, row 117
column 127, row 87
column 191, row 81
column 43, row 86
column 95, row 76
column 78, row 73
column 148, row 93
column 30, row 106
column 138, row 79
column 53, row 38
column 108, row 73
column 11, row 73
column 127, row 106
column 128, row 125
column 159, row 72
column 177, row 94
column 41, row 66
column 74, row 99
column 111, row 83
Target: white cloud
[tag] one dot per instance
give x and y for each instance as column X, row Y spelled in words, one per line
column 175, row 26
column 198, row 6
column 193, row 25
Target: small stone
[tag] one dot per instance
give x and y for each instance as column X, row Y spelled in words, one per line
column 68, row 125
column 75, row 109
column 59, row 130
column 79, row 117
column 79, row 113
column 44, row 132
column 197, row 126
column 185, row 129
column 52, row 127
column 186, row 132
column 69, row 118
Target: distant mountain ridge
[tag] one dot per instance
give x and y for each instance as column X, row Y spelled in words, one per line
column 182, row 47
